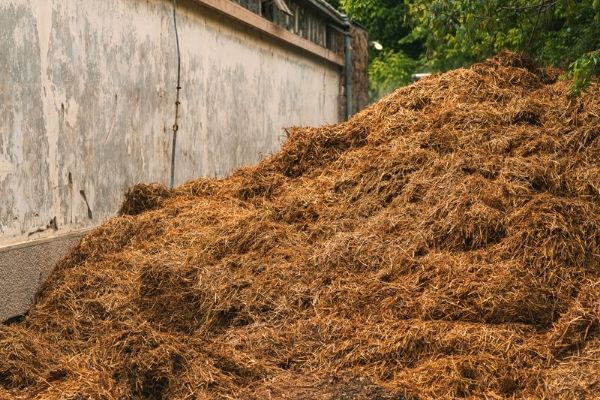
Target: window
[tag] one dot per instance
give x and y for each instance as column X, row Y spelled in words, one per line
column 334, row 40
column 294, row 16
column 252, row 5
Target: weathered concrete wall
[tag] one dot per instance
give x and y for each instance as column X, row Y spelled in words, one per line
column 86, row 104
column 87, row 92
column 24, row 267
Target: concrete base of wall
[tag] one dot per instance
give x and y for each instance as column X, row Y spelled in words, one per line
column 24, row 267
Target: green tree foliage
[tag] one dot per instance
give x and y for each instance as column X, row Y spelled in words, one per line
column 583, row 69
column 389, row 70
column 555, row 32
column 387, row 22
column 438, row 35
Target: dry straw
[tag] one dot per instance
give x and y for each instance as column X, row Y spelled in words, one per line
column 442, row 244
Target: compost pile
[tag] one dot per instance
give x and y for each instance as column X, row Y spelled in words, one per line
column 442, row 244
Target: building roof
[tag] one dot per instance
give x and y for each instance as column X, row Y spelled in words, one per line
column 330, row 11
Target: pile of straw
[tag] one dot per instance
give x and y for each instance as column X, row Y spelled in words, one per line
column 442, row 244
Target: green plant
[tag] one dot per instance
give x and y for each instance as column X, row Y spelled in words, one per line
column 438, row 35
column 390, row 70
column 582, row 70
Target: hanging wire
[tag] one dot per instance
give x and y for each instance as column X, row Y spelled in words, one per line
column 177, row 103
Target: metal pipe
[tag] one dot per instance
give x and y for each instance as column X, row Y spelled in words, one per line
column 348, row 70
column 176, row 125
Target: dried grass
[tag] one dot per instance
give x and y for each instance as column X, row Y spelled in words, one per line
column 444, row 243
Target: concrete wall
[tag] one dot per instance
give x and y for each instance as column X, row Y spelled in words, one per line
column 86, row 103
column 87, row 92
column 24, row 267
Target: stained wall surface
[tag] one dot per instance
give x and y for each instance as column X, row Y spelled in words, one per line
column 87, row 92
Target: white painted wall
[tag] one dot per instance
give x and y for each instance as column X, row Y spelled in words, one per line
column 87, row 88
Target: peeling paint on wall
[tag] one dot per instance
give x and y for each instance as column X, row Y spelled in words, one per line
column 86, row 104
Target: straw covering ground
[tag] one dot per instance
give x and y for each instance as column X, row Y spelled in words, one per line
column 442, row 244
